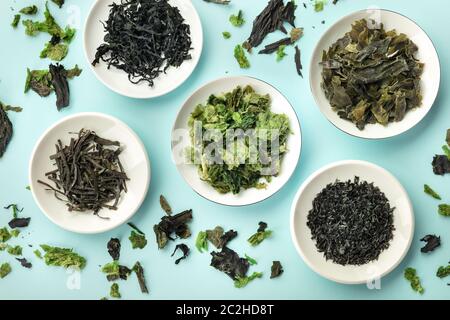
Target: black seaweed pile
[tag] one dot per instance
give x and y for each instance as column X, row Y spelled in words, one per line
column 144, row 38
column 351, row 222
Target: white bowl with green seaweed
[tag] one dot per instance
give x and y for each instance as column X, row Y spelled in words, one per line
column 375, row 81
column 247, row 167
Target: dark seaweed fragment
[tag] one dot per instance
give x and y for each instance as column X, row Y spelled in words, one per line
column 114, row 248
column 441, row 165
column 134, row 227
column 276, row 270
column 226, row 238
column 184, row 249
column 229, row 262
column 298, row 61
column 61, row 85
column 172, row 224
column 262, row 226
column 6, row 131
column 447, row 138
column 123, row 274
column 432, row 241
column 24, row 262
column 351, row 222
column 19, row 223
column 273, row 47
column 140, row 275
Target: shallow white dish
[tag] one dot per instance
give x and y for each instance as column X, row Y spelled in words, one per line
column 134, row 159
column 117, row 80
column 180, row 141
column 426, row 54
column 403, row 222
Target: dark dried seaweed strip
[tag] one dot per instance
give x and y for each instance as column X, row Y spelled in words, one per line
column 6, row 131
column 298, row 61
column 61, row 85
column 172, row 224
column 229, row 262
column 184, row 249
column 141, row 277
column 25, row 263
column 273, row 47
column 276, row 269
column 19, row 223
column 432, row 242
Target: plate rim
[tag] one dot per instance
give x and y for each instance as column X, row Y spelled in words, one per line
column 148, row 96
column 384, row 137
column 225, row 78
column 293, row 214
column 70, row 118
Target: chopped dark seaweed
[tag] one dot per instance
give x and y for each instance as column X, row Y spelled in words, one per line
column 89, row 175
column 144, row 39
column 114, row 271
column 218, row 1
column 61, row 85
column 262, row 226
column 59, row 3
column 24, row 262
column 184, row 249
column 133, row 226
column 227, row 237
column 215, row 236
column 172, row 224
column 19, row 223
column 140, row 275
column 351, row 222
column 441, row 165
column 230, row 263
column 273, row 47
column 165, row 205
column 6, row 131
column 114, row 248
column 298, row 61
column 432, row 241
column 276, row 270
column 261, row 234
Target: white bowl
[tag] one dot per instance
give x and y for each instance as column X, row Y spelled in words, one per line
column 403, row 222
column 430, row 78
column 189, row 172
column 134, row 159
column 117, row 80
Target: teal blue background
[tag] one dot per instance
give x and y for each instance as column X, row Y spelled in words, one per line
column 407, row 156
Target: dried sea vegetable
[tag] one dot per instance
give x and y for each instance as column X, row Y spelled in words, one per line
column 113, row 247
column 261, row 234
column 140, row 275
column 172, row 224
column 443, row 272
column 428, row 190
column 15, row 21
column 229, row 262
column 15, row 251
column 6, row 131
column 24, row 263
column 218, row 1
column 237, row 20
column 243, row 282
column 62, row 257
column 137, row 240
column 410, row 274
column 114, row 291
column 234, row 170
column 30, row 10
column 371, row 75
column 441, row 165
column 184, row 249
column 276, row 269
column 240, row 57
column 5, row 269
column 201, row 243
column 165, row 205
column 59, row 3
column 5, row 235
column 444, row 210
column 432, row 242
column 298, row 61
column 114, row 271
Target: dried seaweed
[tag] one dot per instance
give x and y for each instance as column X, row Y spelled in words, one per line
column 184, row 249
column 25, row 263
column 140, row 276
column 371, row 75
column 230, row 263
column 89, row 175
column 351, row 222
column 428, row 190
column 432, row 241
column 215, row 236
column 114, row 248
column 276, row 269
column 441, row 165
column 410, row 274
column 114, row 271
column 165, row 205
column 19, row 223
column 144, row 39
column 6, row 131
column 172, row 224
column 298, row 61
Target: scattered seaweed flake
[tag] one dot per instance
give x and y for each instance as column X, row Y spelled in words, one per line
column 444, row 210
column 137, row 268
column 30, row 10
column 201, row 243
column 371, row 76
column 243, row 282
column 261, row 234
column 428, row 190
column 6, row 131
column 441, row 165
column 229, row 262
column 141, row 49
column 226, row 35
column 5, row 235
column 5, row 269
column 432, row 242
column 223, row 2
column 61, row 85
column 86, row 160
column 351, row 222
column 15, row 21
column 214, row 236
column 138, row 240
column 276, row 269
column 172, row 224
column 443, row 272
column 25, row 263
column 114, row 271
column 250, row 260
column 184, row 249
column 237, row 20
column 410, row 274
column 114, row 248
column 59, row 3
column 114, row 291
column 62, row 257
column 165, row 205
column 241, row 58
column 227, row 237
column 298, row 61
column 19, row 223
column 273, row 47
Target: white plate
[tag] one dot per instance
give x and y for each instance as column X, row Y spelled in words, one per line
column 427, row 54
column 117, row 80
column 403, row 222
column 189, row 172
column 134, row 159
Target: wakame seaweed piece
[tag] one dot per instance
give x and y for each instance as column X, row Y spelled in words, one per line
column 59, row 3
column 441, row 165
column 55, row 52
column 444, row 210
column 243, row 282
column 172, row 224
column 114, row 271
column 351, row 222
column 61, row 85
column 15, row 21
column 276, row 269
column 432, row 241
column 138, row 240
column 273, row 47
column 30, row 10
column 114, row 248
column 114, row 291
column 144, row 39
column 137, row 268
column 229, row 262
column 226, row 238
column 261, row 234
column 62, row 257
column 250, row 260
column 298, row 61
column 6, row 131
column 427, row 189
column 25, row 263
column 241, row 58
column 5, row 235
column 165, row 205
column 410, row 274
column 262, row 226
column 237, row 20
column 443, row 272
column 15, row 250
column 19, row 223
column 201, row 243
column 236, row 169
column 40, row 81
column 215, row 236
column 184, row 249
column 5, row 269
column 87, row 159
column 371, row 75
column 270, row 20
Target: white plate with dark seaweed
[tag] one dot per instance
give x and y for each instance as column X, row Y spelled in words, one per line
column 134, row 162
column 140, row 56
column 387, row 258
column 378, row 103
